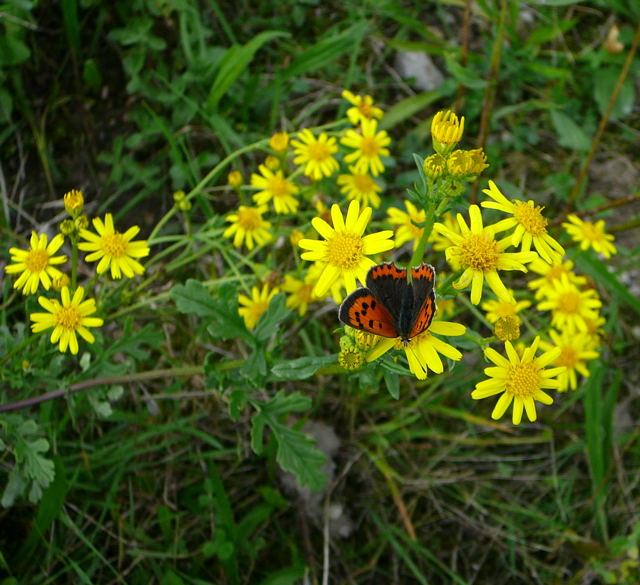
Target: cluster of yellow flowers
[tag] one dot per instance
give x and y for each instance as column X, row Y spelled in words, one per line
column 38, row 265
column 476, row 251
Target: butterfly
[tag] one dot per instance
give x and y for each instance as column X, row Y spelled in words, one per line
column 390, row 305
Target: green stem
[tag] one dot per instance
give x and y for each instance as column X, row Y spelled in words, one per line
column 432, row 213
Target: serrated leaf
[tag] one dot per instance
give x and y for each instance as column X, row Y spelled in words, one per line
column 271, row 318
column 193, row 298
column 604, row 81
column 301, row 368
column 14, row 488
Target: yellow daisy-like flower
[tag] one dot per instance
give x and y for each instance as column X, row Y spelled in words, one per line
column 521, row 380
column 530, row 226
column 363, row 108
column 480, row 255
column 360, row 187
column 344, row 250
column 575, row 351
column 410, row 223
column 550, row 273
column 300, row 292
column 279, row 141
column 247, row 224
column 37, row 263
column 422, row 351
column 253, row 306
column 590, row 235
column 316, row 154
column 497, row 309
column 114, row 249
column 68, row 318
column 570, row 307
column 439, row 242
column 446, row 131
column 369, row 147
column 507, row 328
column 73, row 202
column 277, row 188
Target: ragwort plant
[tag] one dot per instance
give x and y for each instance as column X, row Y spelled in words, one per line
column 302, row 237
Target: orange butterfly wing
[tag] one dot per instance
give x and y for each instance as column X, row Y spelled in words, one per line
column 423, row 278
column 361, row 310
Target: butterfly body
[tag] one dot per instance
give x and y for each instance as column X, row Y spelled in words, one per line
column 390, row 305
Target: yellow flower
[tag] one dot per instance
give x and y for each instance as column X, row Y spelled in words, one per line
column 575, row 351
column 369, row 145
column 439, row 242
column 68, row 318
column 530, row 226
column 363, row 108
column 344, row 250
column 507, row 328
column 497, row 309
column 350, row 358
column 422, row 351
column 550, row 273
column 570, row 307
column 73, row 202
column 253, row 306
column 467, row 164
column 480, row 255
column 279, row 141
column 520, row 380
column 410, row 223
column 435, row 166
column 316, row 154
column 234, row 178
column 247, row 224
column 446, row 131
column 272, row 162
column 114, row 249
column 300, row 292
column 590, row 235
column 36, row 263
column 275, row 187
column 360, row 187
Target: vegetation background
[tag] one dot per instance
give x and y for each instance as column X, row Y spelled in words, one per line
column 133, row 100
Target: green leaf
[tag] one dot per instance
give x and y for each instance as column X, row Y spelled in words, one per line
column 325, row 51
column 596, row 269
column 604, row 81
column 296, row 452
column 570, row 135
column 392, row 381
column 464, row 75
column 301, row 368
column 235, row 62
column 408, row 107
column 286, row 576
column 270, row 320
column 194, row 298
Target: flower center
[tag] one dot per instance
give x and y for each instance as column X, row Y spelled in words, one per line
column 114, row 245
column 569, row 302
column 480, row 252
column 249, row 219
column 68, row 318
column 318, row 151
column 36, row 260
column 278, row 186
column 363, row 183
column 365, row 109
column 345, row 250
column 369, row 146
column 530, row 218
column 568, row 357
column 524, row 380
column 555, row 273
column 591, row 232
